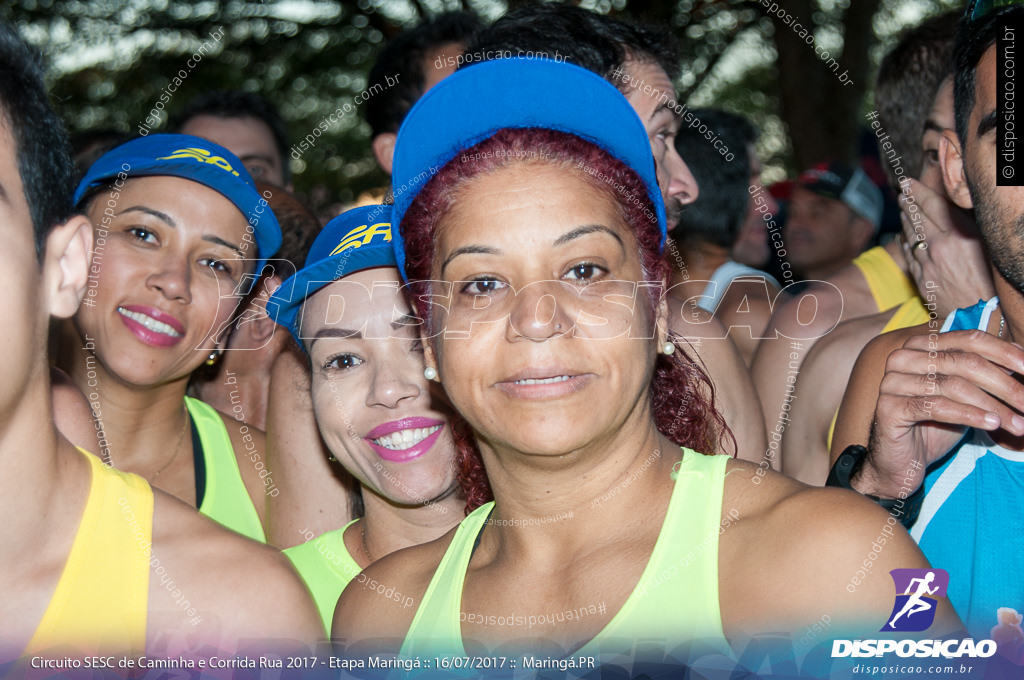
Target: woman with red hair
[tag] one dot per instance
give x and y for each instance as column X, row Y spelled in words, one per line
column 532, row 233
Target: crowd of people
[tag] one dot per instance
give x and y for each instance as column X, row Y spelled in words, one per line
column 576, row 385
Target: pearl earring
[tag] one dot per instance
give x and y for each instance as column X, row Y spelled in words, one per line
column 668, row 348
column 430, row 373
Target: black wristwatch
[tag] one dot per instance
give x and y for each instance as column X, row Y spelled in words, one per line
column 850, row 462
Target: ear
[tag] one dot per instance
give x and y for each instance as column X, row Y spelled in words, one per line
column 384, row 149
column 429, row 356
column 953, row 173
column 661, row 317
column 66, row 266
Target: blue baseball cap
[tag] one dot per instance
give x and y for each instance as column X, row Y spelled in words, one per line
column 355, row 240
column 196, row 159
column 473, row 103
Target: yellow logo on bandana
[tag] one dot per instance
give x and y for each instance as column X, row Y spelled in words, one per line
column 360, row 236
column 203, row 156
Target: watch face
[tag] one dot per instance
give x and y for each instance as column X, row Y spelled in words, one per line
column 847, row 464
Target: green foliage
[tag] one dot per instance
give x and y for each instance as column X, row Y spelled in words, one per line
column 112, row 59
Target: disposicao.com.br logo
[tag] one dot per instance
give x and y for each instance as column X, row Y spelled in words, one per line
column 917, row 593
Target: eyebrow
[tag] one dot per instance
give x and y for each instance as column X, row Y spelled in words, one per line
column 587, row 229
column 664, row 107
column 222, row 242
column 933, row 126
column 333, row 332
column 987, row 123
column 469, row 250
column 258, row 157
column 164, row 217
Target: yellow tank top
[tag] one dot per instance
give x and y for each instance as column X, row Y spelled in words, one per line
column 889, row 285
column 675, row 601
column 225, row 498
column 327, row 567
column 100, row 604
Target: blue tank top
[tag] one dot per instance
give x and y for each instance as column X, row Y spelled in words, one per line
column 971, row 521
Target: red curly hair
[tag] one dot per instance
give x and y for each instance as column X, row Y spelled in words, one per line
column 682, row 395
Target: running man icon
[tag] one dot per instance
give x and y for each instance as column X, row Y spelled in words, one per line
column 916, row 586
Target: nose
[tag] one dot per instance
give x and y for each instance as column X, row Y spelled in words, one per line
column 682, row 187
column 539, row 312
column 395, row 380
column 173, row 278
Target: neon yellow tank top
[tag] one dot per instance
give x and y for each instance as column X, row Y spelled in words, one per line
column 327, row 567
column 225, row 499
column 889, row 285
column 101, row 600
column 674, row 602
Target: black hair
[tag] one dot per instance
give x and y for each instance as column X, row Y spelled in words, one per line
column 87, row 146
column 590, row 40
column 908, row 80
column 972, row 41
column 718, row 212
column 404, row 56
column 40, row 140
column 237, row 104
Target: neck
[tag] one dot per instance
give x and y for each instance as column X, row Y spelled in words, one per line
column 44, row 479
column 1011, row 305
column 555, row 501
column 1011, row 310
column 137, row 422
column 240, row 389
column 389, row 527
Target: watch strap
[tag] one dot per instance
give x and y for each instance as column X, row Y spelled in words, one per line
column 849, row 463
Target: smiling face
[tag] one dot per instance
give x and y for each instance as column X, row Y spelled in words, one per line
column 166, row 265
column 539, row 266
column 377, row 413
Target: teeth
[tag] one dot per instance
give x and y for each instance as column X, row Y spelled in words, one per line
column 404, row 439
column 543, row 381
column 150, row 323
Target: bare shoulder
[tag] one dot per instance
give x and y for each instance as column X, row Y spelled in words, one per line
column 238, row 588
column 378, row 606
column 812, row 311
column 687, row 319
column 824, row 551
column 777, row 504
column 841, row 347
